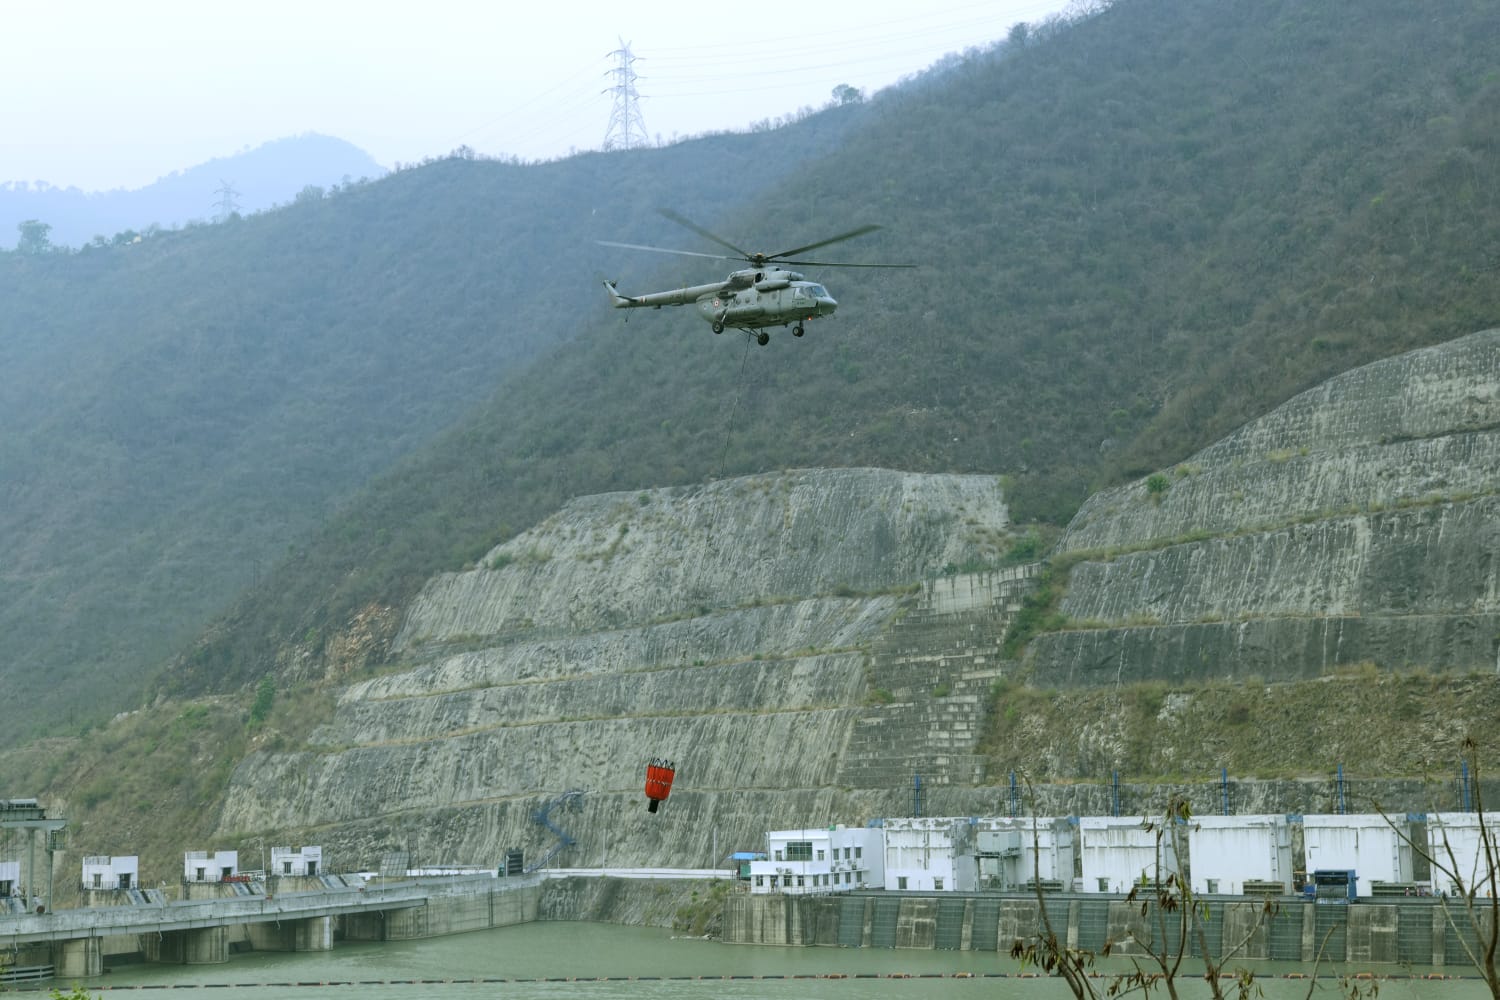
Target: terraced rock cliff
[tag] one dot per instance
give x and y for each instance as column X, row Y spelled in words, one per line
column 773, row 635
column 805, row 644
column 1357, row 523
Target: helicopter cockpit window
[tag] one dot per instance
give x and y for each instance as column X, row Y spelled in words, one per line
column 817, row 291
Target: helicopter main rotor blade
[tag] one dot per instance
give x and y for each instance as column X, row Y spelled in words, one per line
column 822, row 243
column 829, row 263
column 690, row 224
column 680, row 253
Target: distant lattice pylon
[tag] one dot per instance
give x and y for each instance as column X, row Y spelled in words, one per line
column 228, row 204
column 627, row 129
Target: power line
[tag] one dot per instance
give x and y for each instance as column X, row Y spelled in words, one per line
column 797, row 65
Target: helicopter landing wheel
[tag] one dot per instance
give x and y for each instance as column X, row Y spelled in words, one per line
column 763, row 338
column 797, row 330
column 718, row 327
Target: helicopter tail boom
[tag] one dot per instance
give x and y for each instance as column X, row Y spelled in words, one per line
column 655, row 300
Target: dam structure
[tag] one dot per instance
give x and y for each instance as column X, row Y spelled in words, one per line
column 199, row 931
column 1413, row 932
column 1362, row 937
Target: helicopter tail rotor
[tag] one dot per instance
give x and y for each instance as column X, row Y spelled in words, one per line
column 616, row 299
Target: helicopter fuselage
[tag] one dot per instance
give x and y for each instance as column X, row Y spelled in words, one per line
column 764, row 294
column 749, row 299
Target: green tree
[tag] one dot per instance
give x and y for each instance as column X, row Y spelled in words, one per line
column 845, row 94
column 34, row 237
column 76, row 993
column 265, row 697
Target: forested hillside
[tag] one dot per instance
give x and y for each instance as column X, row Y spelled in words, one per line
column 181, row 412
column 1135, row 232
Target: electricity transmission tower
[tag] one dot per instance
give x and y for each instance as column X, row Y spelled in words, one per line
column 228, row 203
column 627, row 129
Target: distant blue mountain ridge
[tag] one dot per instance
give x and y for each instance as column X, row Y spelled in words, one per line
column 271, row 174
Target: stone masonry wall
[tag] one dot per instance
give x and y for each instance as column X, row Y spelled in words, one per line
column 931, row 672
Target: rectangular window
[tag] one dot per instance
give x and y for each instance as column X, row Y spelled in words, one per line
column 799, row 882
column 799, row 850
column 98, row 880
column 820, row 854
column 900, row 881
column 286, row 868
column 760, row 880
column 778, row 856
column 848, row 877
column 201, row 872
column 859, row 852
column 937, row 884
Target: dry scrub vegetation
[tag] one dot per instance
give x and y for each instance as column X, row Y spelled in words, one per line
column 1406, row 725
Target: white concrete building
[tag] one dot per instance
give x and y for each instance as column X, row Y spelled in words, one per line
column 102, row 871
column 202, row 866
column 296, row 861
column 1120, row 852
column 805, row 862
column 10, row 878
column 1013, row 852
column 1362, row 842
column 1455, row 848
column 1229, row 851
column 931, row 853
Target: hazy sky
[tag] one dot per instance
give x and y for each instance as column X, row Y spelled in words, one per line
column 115, row 93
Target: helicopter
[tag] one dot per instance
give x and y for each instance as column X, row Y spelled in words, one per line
column 764, row 294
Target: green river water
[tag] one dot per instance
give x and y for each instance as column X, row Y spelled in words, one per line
column 600, row 961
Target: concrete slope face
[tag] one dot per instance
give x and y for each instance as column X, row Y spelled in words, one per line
column 1359, row 522
column 730, row 627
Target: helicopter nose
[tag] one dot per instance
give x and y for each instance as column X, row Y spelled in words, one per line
column 826, row 305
